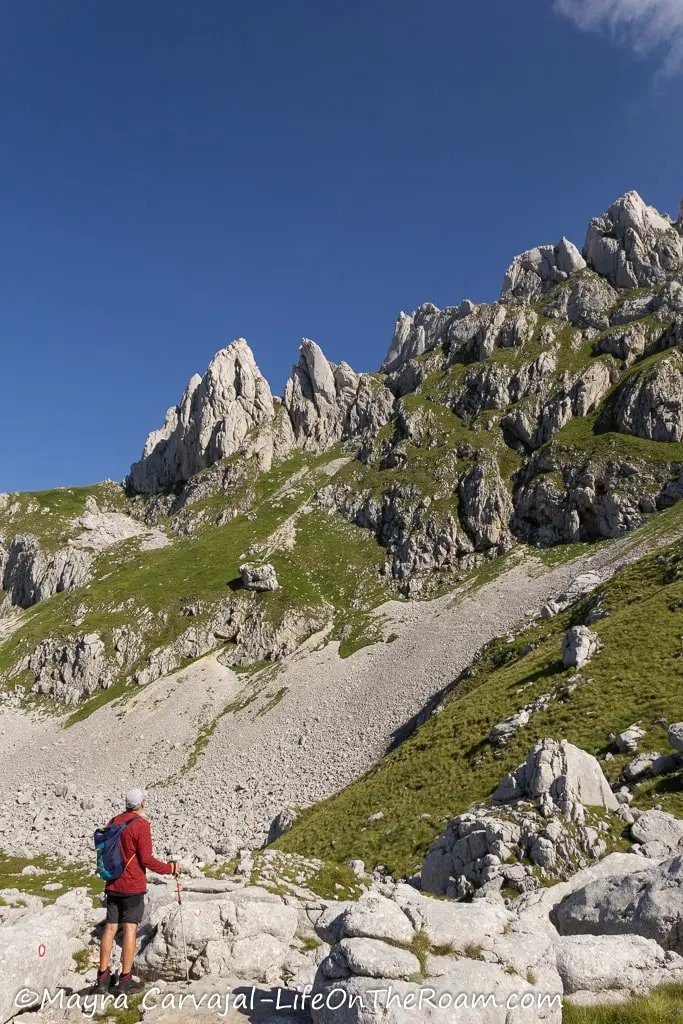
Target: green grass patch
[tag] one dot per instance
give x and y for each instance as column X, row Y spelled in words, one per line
column 71, row 876
column 448, row 764
column 663, row 1005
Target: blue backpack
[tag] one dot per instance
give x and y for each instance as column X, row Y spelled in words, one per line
column 110, row 862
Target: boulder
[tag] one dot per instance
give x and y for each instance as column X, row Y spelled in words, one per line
column 376, row 917
column 579, row 646
column 658, row 827
column 647, row 903
column 245, row 933
column 616, row 965
column 471, row 992
column 627, row 741
column 372, row 958
column 649, row 764
column 675, row 735
column 558, row 773
column 282, row 823
column 258, row 577
column 459, row 925
column 36, row 951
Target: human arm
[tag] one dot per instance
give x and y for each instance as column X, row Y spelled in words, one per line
column 145, row 853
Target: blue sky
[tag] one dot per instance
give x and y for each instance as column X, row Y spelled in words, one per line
column 175, row 175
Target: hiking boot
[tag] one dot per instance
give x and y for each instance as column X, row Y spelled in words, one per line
column 103, row 983
column 125, row 985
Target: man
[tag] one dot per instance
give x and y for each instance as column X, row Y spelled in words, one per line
column 126, row 894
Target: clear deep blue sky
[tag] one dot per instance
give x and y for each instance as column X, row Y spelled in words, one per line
column 177, row 174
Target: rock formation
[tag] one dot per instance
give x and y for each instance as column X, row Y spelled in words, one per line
column 216, row 417
column 633, row 245
column 537, row 270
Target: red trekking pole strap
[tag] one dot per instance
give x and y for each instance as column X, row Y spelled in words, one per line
column 177, row 885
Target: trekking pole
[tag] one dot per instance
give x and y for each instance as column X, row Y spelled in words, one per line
column 182, row 928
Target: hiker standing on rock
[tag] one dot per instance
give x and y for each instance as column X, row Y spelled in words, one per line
column 124, row 854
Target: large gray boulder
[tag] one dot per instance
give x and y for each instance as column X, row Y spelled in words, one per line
column 245, row 934
column 537, row 270
column 471, row 992
column 561, row 776
column 579, row 646
column 649, row 903
column 595, row 966
column 375, row 916
column 659, row 833
column 36, row 950
column 632, row 244
column 258, row 577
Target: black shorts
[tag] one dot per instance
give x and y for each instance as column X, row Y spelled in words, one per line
column 125, row 908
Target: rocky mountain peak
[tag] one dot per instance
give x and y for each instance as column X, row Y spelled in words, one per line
column 632, row 244
column 212, row 421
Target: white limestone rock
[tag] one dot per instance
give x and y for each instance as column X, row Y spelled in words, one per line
column 675, row 735
column 619, row 965
column 579, row 646
column 632, row 244
column 561, row 773
column 31, row 575
column 486, row 507
column 650, row 403
column 372, row 958
column 70, row 671
column 647, row 903
column 36, row 951
column 217, row 416
column 327, row 402
column 537, row 270
column 258, row 577
column 376, row 917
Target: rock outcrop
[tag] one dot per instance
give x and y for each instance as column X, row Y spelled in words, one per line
column 217, row 416
column 537, row 270
column 31, row 575
column 633, row 245
column 650, row 403
column 328, row 402
column 489, row 847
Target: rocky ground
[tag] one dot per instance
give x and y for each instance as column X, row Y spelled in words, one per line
column 394, row 953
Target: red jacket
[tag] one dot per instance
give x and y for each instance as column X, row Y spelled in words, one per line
column 136, row 849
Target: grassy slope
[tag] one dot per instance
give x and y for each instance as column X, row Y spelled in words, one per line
column 333, row 565
column 448, row 763
column 50, row 515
